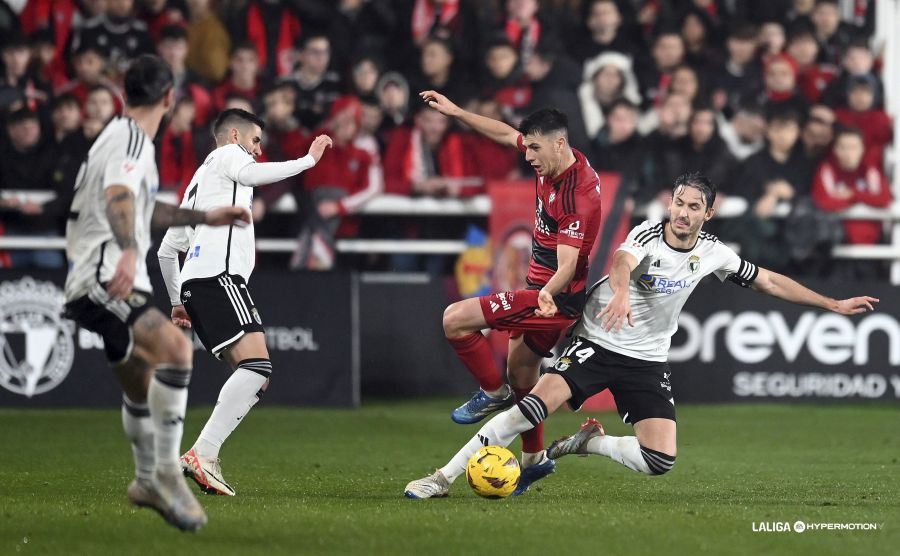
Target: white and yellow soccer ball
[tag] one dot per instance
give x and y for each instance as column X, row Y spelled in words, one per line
column 493, row 472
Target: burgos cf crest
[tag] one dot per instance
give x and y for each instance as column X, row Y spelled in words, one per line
column 38, row 349
column 694, row 263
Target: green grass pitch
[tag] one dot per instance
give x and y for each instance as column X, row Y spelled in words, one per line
column 331, row 482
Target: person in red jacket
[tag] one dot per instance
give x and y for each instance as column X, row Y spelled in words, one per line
column 812, row 77
column 427, row 159
column 334, row 188
column 243, row 76
column 861, row 113
column 845, row 179
column 177, row 155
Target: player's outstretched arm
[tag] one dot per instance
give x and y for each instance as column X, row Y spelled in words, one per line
column 263, row 173
column 618, row 311
column 781, row 286
column 166, row 215
column 494, row 130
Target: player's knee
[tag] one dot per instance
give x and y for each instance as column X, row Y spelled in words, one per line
column 178, row 352
column 451, row 321
column 659, row 463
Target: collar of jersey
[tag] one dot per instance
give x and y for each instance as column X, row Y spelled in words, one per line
column 678, row 249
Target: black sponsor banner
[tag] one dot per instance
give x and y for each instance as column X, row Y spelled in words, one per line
column 737, row 344
column 311, row 332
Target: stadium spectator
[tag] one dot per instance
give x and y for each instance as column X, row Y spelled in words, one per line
column 800, row 11
column 738, row 79
column 101, row 104
column 89, row 65
column 317, row 86
column 745, row 132
column 393, row 97
column 52, row 21
column 857, row 62
column 524, row 28
column 704, row 151
column 158, row 14
column 603, row 32
column 48, row 63
column 233, row 100
column 813, row 77
column 503, row 79
column 772, row 39
column 554, row 79
column 488, row 159
column 336, row 187
column 359, row 27
column 875, row 125
column 173, row 48
column 364, row 75
column 654, row 77
column 700, row 43
column 117, row 29
column 686, row 81
column 618, row 145
column 781, row 85
column 426, row 158
column 436, row 71
column 832, row 34
column 607, row 79
column 208, row 42
column 18, row 81
column 26, row 155
column 661, row 161
column 818, row 133
column 243, row 76
column 177, row 156
column 780, row 171
column 273, row 27
column 65, row 114
column 846, row 179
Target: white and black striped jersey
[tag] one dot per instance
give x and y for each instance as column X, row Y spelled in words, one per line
column 660, row 285
column 214, row 250
column 122, row 155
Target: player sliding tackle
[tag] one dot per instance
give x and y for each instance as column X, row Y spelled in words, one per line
column 623, row 339
column 567, row 219
column 211, row 291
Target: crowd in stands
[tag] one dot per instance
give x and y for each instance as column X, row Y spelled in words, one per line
column 780, row 102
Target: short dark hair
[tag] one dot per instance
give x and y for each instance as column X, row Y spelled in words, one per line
column 700, row 182
column 21, row 115
column 64, row 99
column 742, row 31
column 847, row 130
column 244, row 45
column 234, row 117
column 783, row 115
column 173, row 32
column 307, row 38
column 544, row 122
column 147, row 81
column 623, row 102
column 824, row 2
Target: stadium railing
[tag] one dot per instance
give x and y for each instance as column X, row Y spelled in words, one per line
column 396, row 205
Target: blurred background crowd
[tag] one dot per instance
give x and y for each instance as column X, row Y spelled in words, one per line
column 780, row 102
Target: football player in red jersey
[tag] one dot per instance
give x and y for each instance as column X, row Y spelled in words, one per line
column 567, row 220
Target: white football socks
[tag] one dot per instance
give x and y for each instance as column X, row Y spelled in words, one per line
column 139, row 429
column 167, row 401
column 237, row 397
column 623, row 449
column 499, row 431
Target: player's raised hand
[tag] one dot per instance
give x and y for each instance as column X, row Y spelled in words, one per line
column 616, row 313
column 546, row 305
column 440, row 103
column 225, row 216
column 180, row 317
column 856, row 305
column 319, row 144
column 122, row 281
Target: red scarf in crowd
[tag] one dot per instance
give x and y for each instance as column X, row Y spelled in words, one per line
column 423, row 17
column 288, row 31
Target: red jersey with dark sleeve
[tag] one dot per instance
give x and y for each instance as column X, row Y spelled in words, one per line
column 567, row 212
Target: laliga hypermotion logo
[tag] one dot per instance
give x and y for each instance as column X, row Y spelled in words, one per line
column 37, row 344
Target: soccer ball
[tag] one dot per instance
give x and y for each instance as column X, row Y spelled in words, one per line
column 493, row 472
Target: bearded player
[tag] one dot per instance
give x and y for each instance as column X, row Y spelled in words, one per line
column 622, row 341
column 567, row 220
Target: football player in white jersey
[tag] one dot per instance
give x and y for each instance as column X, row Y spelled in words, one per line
column 210, row 291
column 108, row 290
column 622, row 341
